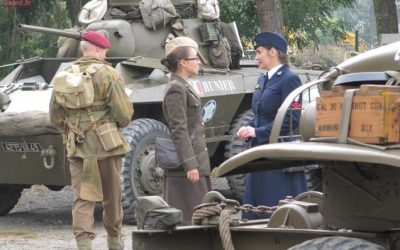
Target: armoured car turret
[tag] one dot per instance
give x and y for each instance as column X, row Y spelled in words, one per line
column 32, row 151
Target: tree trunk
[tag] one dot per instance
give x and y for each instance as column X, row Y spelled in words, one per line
column 270, row 15
column 386, row 16
column 74, row 7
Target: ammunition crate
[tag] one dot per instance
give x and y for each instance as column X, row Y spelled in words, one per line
column 374, row 118
column 209, row 32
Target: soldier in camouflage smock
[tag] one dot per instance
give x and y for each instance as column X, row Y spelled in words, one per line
column 95, row 172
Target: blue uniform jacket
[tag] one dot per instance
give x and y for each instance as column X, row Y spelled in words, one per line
column 268, row 187
column 267, row 100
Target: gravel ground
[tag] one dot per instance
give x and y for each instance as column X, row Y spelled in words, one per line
column 42, row 220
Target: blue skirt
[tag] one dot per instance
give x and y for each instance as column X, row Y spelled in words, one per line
column 268, row 187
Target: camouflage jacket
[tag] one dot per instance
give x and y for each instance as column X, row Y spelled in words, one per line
column 115, row 107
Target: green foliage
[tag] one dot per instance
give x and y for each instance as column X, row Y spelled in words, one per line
column 327, row 63
column 72, row 9
column 360, row 18
column 244, row 13
column 305, row 21
column 17, row 44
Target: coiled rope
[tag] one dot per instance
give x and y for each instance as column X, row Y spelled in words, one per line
column 215, row 214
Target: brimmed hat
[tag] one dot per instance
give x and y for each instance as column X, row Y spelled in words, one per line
column 271, row 39
column 96, row 38
column 179, row 42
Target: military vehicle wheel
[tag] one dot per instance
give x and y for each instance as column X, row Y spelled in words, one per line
column 139, row 175
column 9, row 197
column 233, row 147
column 336, row 243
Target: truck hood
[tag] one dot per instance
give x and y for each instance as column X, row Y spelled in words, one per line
column 295, row 154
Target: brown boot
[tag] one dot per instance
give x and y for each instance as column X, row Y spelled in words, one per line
column 84, row 244
column 115, row 243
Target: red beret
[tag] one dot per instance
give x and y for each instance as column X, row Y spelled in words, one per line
column 96, row 38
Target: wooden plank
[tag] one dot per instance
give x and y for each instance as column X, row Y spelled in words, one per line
column 328, row 116
column 374, row 118
column 368, row 117
column 394, row 118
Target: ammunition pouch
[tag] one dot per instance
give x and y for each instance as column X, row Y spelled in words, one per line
column 220, row 54
column 109, row 136
column 219, row 50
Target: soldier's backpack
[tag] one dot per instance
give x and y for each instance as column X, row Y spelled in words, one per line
column 156, row 13
column 154, row 213
column 220, row 53
column 74, row 89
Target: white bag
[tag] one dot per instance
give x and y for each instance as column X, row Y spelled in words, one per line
column 208, row 10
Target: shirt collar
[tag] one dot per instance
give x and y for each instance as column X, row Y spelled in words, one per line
column 272, row 71
column 178, row 78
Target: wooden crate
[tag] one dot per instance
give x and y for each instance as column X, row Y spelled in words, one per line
column 375, row 114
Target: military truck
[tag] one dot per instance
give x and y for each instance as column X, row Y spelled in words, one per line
column 358, row 207
column 32, row 151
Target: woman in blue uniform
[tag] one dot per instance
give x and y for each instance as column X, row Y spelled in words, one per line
column 268, row 187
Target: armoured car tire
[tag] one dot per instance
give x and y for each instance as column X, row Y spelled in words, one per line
column 139, row 174
column 337, row 243
column 9, row 197
column 235, row 146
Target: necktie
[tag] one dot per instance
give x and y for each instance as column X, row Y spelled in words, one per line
column 259, row 110
column 266, row 81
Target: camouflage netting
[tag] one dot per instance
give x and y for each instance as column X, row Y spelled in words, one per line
column 26, row 124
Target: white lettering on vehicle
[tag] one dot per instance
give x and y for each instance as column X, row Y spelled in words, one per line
column 21, row 147
column 203, row 87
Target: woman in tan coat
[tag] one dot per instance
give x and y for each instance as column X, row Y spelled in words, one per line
column 185, row 187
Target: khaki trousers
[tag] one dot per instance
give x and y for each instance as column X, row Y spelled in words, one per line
column 82, row 210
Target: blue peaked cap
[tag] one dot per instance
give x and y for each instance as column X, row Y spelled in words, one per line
column 271, row 39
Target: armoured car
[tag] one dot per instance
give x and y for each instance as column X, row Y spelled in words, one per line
column 32, row 151
column 358, row 205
